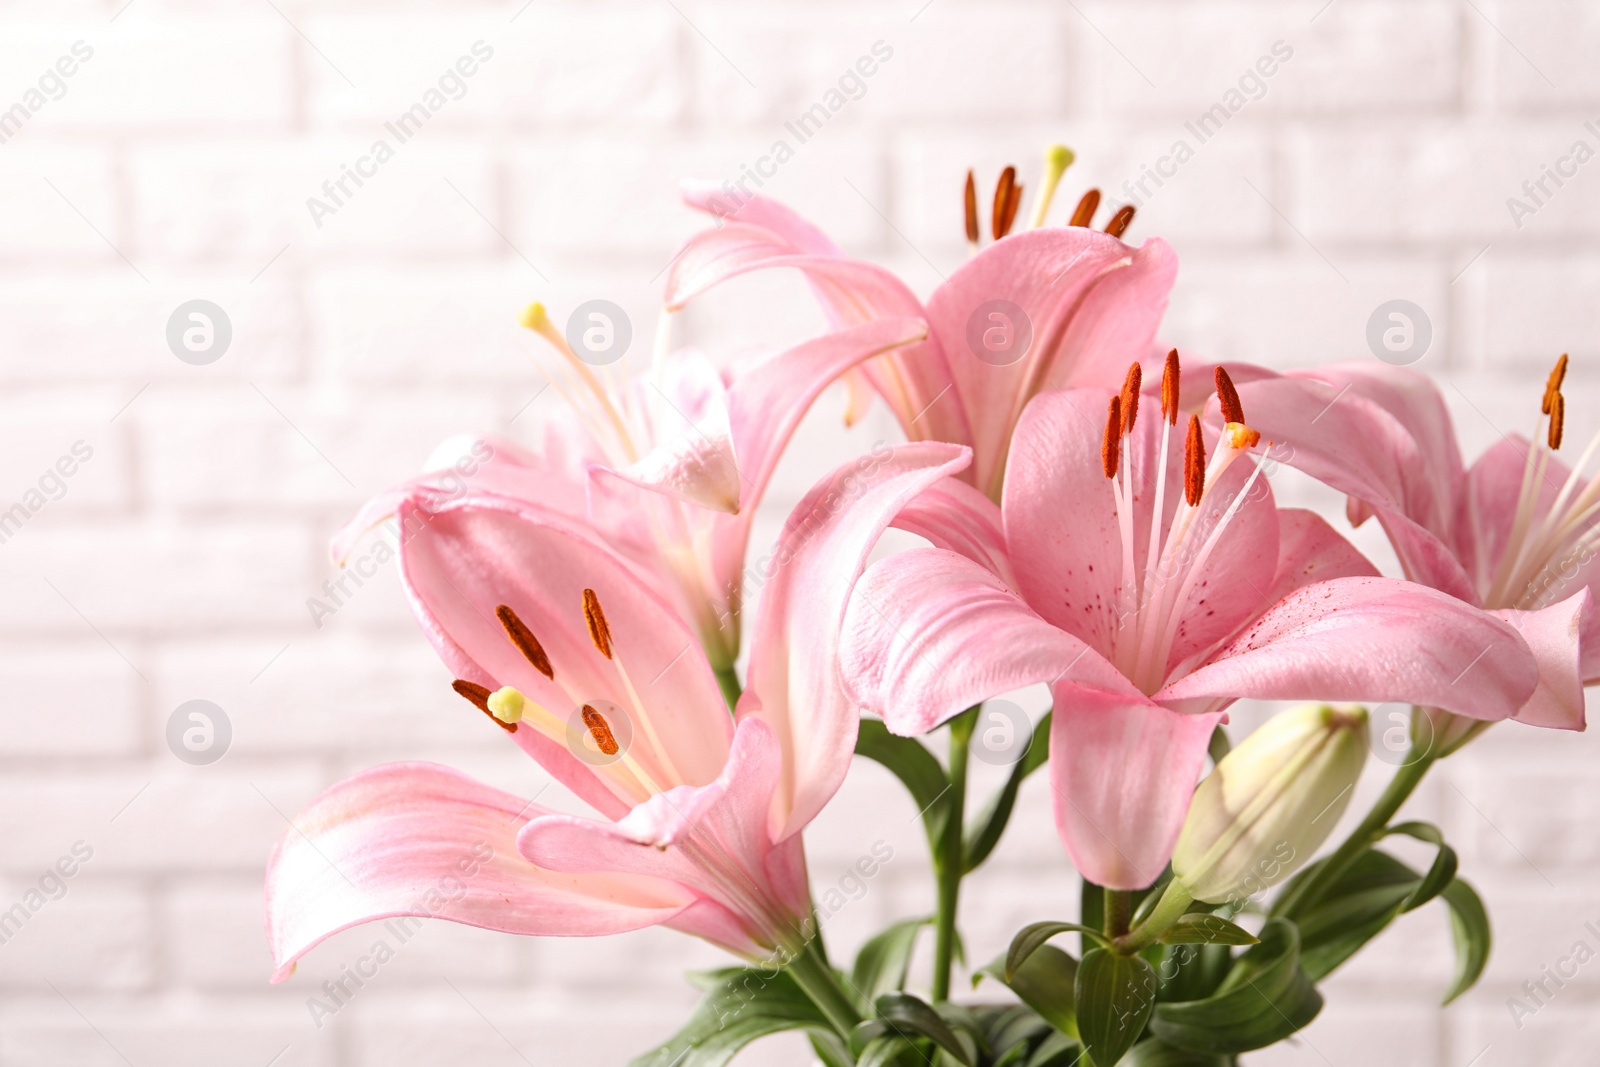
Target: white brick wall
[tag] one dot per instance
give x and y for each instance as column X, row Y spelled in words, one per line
column 176, row 566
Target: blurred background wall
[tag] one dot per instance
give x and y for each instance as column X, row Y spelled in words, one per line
column 165, row 152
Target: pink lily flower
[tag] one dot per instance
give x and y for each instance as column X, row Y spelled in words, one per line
column 1048, row 308
column 671, row 466
column 1516, row 533
column 590, row 671
column 1150, row 588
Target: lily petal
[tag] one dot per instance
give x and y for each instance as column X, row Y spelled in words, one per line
column 471, row 556
column 955, row 516
column 421, row 839
column 727, row 818
column 1555, row 635
column 1371, row 639
column 1090, row 302
column 930, row 633
column 1122, row 770
column 793, row 680
column 694, row 461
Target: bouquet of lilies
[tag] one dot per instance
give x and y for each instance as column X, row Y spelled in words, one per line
column 1096, row 519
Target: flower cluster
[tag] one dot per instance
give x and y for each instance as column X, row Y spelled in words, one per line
column 1098, row 519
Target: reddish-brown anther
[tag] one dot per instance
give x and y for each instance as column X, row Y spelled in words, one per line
column 1169, row 389
column 1130, row 396
column 1120, row 221
column 1109, row 446
column 972, row 209
column 1228, row 397
column 523, row 638
column 1194, row 464
column 600, row 730
column 599, row 631
column 1553, row 385
column 1083, row 214
column 1002, row 200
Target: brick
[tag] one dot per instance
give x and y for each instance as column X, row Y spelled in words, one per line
column 41, row 717
column 160, row 71
column 951, row 64
column 610, row 64
column 109, row 327
column 88, row 933
column 243, row 202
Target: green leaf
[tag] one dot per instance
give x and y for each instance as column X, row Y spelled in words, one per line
column 917, row 768
column 1157, row 1053
column 1201, row 928
column 741, row 1005
column 1355, row 909
column 1113, row 1000
column 1030, row 937
column 1045, row 981
column 1264, row 999
column 985, row 829
column 1469, row 925
column 881, row 964
column 1057, row 1050
column 1444, row 863
column 904, row 1016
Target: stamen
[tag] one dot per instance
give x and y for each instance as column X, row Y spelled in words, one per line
column 526, row 643
column 1002, row 196
column 1130, row 396
column 599, row 631
column 1083, row 214
column 1194, row 464
column 1553, row 385
column 600, row 730
column 505, row 704
column 1057, row 158
column 972, row 209
column 1120, row 221
column 1558, row 413
column 1013, row 202
column 1232, row 410
column 1109, row 451
column 1169, row 389
column 479, row 697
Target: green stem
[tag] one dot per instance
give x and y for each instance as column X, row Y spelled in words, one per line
column 1304, row 896
column 1175, row 900
column 728, row 679
column 818, row 981
column 1118, row 910
column 948, row 862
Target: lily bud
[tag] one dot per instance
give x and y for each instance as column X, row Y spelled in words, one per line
column 1271, row 802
